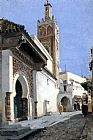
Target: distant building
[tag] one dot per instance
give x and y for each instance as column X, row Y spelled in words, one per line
column 71, row 90
column 91, row 69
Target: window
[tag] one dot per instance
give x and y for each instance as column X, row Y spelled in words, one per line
column 46, row 8
column 64, row 81
column 65, row 87
column 47, row 81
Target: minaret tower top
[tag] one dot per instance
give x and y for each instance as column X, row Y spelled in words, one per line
column 49, row 36
column 48, row 10
column 46, row 1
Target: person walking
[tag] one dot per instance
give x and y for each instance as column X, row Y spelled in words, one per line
column 75, row 105
column 60, row 108
column 85, row 106
column 78, row 106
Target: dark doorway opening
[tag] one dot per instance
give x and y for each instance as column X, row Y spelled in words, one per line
column 66, row 103
column 20, row 104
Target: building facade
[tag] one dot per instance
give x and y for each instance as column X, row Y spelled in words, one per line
column 91, row 69
column 19, row 57
column 45, row 85
column 29, row 69
column 71, row 90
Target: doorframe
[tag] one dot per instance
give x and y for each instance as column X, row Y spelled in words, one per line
column 25, row 88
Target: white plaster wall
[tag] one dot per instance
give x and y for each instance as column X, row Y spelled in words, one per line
column 77, row 88
column 78, row 91
column 69, row 88
column 7, row 71
column 75, row 77
column 7, row 79
column 72, row 89
column 46, row 90
column 49, row 65
column 70, row 76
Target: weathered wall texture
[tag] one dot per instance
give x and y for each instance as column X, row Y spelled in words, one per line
column 23, row 69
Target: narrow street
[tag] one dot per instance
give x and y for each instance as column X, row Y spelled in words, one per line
column 67, row 126
column 75, row 128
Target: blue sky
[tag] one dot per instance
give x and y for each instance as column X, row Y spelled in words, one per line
column 75, row 21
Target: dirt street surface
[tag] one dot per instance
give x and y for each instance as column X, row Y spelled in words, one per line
column 75, row 128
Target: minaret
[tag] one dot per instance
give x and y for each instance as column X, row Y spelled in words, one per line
column 48, row 34
column 48, row 11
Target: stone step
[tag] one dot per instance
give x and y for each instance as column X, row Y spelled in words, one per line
column 15, row 134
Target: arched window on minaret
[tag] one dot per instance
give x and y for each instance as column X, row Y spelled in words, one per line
column 42, row 31
column 49, row 30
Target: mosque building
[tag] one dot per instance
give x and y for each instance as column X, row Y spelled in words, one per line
column 29, row 69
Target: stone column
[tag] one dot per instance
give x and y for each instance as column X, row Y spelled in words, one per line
column 7, row 81
column 34, row 111
column 29, row 108
column 34, row 85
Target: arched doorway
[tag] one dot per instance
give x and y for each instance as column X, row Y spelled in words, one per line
column 18, row 104
column 20, row 100
column 66, row 104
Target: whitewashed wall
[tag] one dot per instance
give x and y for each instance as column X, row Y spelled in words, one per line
column 73, row 86
column 49, row 65
column 46, row 90
column 77, row 89
column 7, row 79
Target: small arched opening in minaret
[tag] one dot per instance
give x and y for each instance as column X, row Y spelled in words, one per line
column 42, row 31
column 49, row 30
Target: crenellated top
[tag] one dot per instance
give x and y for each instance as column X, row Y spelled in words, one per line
column 48, row 11
column 47, row 3
column 8, row 26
